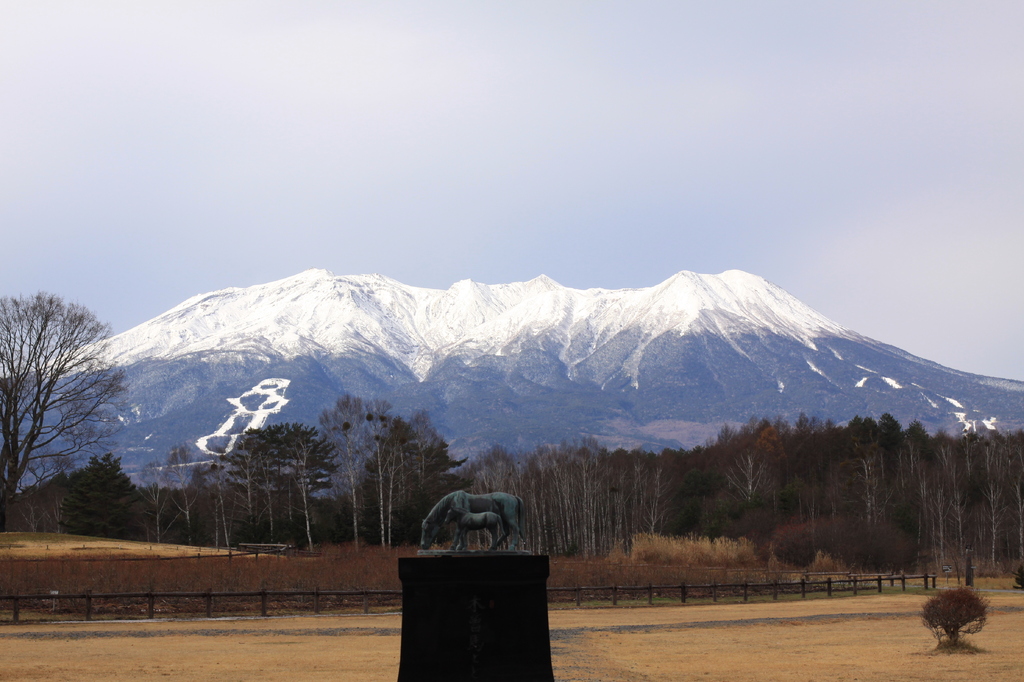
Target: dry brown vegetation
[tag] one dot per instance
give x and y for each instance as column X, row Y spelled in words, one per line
column 693, row 551
column 663, row 560
column 337, row 568
column 38, row 563
column 870, row 638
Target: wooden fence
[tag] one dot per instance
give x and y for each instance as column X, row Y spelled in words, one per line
column 714, row 591
column 577, row 594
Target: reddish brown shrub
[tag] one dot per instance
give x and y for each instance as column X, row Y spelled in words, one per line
column 952, row 613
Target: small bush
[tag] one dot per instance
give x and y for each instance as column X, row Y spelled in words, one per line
column 953, row 613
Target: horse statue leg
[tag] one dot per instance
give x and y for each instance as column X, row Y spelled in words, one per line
column 501, row 509
column 497, row 534
column 517, row 519
column 502, row 537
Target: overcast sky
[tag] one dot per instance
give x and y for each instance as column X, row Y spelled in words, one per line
column 866, row 156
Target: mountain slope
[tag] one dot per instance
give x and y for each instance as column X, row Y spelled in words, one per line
column 530, row 362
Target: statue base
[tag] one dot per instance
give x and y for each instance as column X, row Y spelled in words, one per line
column 475, row 617
column 473, row 552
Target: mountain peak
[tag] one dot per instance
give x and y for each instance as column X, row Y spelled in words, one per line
column 315, row 273
column 543, row 281
column 418, row 327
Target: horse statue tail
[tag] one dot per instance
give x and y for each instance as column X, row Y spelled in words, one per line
column 519, row 517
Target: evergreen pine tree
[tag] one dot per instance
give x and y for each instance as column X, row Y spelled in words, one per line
column 890, row 433
column 100, row 499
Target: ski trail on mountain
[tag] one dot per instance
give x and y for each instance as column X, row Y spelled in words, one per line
column 268, row 398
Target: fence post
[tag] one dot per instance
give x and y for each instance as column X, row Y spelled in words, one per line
column 88, row 604
column 803, row 588
column 682, row 592
column 775, row 589
column 828, row 583
column 650, row 594
column 150, row 601
column 714, row 591
column 903, row 581
column 879, row 584
column 578, row 597
column 16, row 613
column 263, row 603
column 892, row 580
column 926, row 581
column 744, row 591
column 854, row 584
column 316, row 600
column 209, row 603
column 366, row 601
column 934, row 578
column 615, row 595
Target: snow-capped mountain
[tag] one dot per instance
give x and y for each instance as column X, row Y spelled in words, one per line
column 528, row 362
column 318, row 313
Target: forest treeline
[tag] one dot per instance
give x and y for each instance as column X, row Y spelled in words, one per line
column 871, row 493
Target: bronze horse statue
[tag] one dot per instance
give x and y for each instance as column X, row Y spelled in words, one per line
column 509, row 509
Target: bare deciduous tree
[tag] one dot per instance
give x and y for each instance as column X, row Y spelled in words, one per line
column 341, row 426
column 157, row 497
column 185, row 474
column 749, row 475
column 58, row 391
column 995, row 465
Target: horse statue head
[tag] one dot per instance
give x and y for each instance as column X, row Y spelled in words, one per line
column 429, row 532
column 436, row 519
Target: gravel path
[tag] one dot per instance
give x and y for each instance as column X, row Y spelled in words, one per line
column 206, row 632
column 557, row 634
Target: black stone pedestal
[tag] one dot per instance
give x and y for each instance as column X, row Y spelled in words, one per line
column 475, row 617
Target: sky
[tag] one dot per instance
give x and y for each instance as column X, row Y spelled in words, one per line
column 868, row 157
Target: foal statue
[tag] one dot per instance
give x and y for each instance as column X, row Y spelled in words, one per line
column 466, row 521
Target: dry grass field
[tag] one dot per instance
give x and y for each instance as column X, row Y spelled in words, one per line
column 871, row 637
column 56, row 546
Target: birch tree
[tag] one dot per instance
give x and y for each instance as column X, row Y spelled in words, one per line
column 185, row 475
column 342, row 426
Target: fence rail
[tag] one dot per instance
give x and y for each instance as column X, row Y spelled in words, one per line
column 579, row 593
column 715, row 590
column 227, row 554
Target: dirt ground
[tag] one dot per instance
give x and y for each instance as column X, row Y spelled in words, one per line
column 871, row 637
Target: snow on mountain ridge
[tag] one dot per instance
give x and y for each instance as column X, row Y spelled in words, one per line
column 318, row 312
